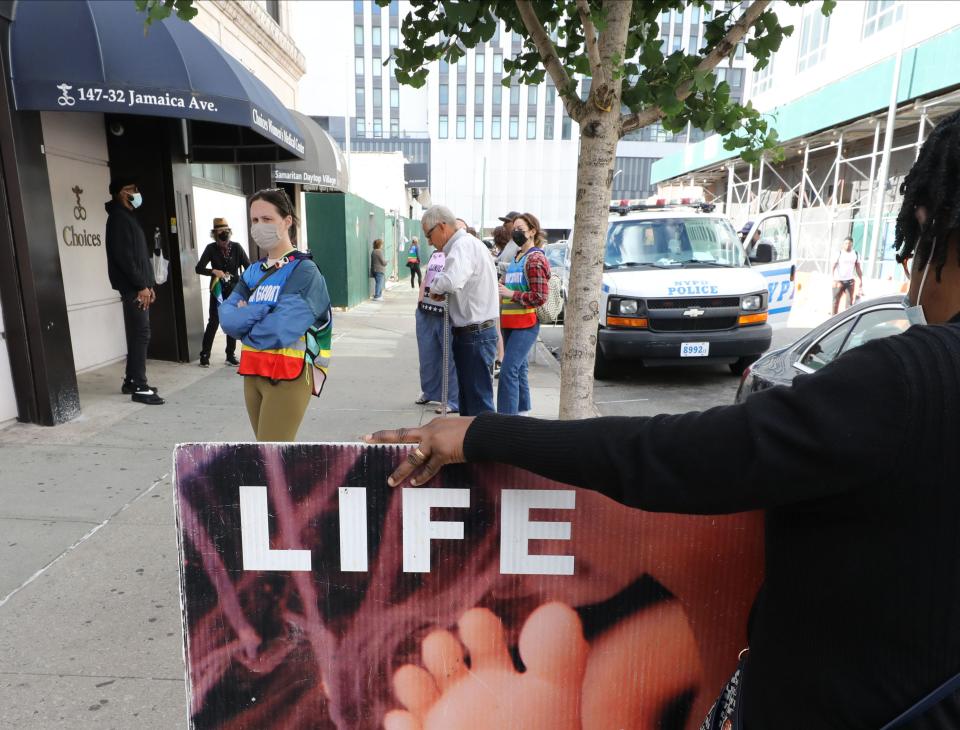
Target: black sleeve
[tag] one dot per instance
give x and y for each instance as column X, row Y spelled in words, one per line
column 123, row 251
column 201, row 267
column 833, row 431
column 242, row 255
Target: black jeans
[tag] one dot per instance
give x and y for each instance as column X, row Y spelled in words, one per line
column 414, row 272
column 136, row 323
column 213, row 323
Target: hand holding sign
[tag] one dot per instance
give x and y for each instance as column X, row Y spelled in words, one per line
column 439, row 443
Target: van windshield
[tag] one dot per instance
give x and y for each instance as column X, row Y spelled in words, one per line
column 673, row 242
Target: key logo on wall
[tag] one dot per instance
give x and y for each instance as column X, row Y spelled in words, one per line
column 79, row 212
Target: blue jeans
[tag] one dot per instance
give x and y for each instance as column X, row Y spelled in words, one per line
column 430, row 346
column 378, row 284
column 474, row 353
column 513, row 392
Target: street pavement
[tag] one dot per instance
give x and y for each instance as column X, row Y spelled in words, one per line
column 90, row 631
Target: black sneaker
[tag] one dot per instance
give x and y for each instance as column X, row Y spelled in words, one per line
column 232, row 360
column 148, row 397
column 129, row 388
column 204, row 361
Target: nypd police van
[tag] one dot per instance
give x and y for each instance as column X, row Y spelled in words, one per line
column 680, row 287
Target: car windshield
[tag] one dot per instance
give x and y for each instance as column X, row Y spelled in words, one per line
column 555, row 254
column 673, row 242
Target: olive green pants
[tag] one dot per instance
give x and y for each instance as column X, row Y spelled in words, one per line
column 276, row 408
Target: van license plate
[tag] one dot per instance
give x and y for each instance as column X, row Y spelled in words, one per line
column 694, row 349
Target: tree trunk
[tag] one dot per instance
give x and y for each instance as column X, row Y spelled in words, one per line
column 599, row 135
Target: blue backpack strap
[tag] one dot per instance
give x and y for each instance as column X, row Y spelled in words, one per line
column 927, row 703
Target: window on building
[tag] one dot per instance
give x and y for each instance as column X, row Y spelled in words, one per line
column 498, row 63
column 444, row 67
column 496, row 34
column 813, row 39
column 394, row 37
column 442, row 131
column 444, row 94
column 495, row 128
column 394, row 98
column 551, row 95
column 480, row 62
column 361, row 127
column 739, row 52
column 514, row 127
column 462, row 63
column 461, row 126
column 478, row 127
column 694, row 15
column 497, row 93
column 514, row 94
column 478, row 95
column 358, row 35
column 763, row 79
column 378, row 128
column 461, row 93
column 548, row 126
column 377, row 97
column 361, row 100
column 693, row 44
column 394, row 9
column 375, row 35
column 273, row 9
column 880, row 14
column 735, row 79
column 377, row 69
column 565, row 125
column 677, row 42
column 531, row 127
column 532, row 96
column 394, row 127
column 358, row 7
column 358, row 65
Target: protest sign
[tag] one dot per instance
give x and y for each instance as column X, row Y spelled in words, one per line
column 315, row 596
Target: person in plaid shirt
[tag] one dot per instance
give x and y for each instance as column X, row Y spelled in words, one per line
column 525, row 287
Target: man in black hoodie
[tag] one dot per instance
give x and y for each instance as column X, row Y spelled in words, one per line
column 128, row 267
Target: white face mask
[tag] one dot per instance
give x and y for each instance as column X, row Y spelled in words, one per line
column 136, row 200
column 265, row 235
column 915, row 313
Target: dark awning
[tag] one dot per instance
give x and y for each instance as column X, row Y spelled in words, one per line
column 92, row 56
column 323, row 165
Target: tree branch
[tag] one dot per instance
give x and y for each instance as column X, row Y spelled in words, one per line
column 551, row 61
column 590, row 33
column 734, row 35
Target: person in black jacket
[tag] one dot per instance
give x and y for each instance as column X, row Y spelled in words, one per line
column 227, row 260
column 130, row 273
column 858, row 623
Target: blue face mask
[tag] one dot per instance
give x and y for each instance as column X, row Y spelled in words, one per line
column 915, row 313
column 136, row 200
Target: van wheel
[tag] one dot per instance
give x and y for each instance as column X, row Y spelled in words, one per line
column 602, row 367
column 742, row 364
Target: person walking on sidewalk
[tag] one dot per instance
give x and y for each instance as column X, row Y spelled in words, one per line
column 130, row 273
column 524, row 288
column 227, row 260
column 430, row 334
column 509, row 251
column 469, row 285
column 413, row 262
column 845, row 267
column 378, row 269
column 281, row 312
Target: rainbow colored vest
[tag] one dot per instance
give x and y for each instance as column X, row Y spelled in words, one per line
column 514, row 315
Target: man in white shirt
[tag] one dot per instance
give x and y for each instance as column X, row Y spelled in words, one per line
column 469, row 284
column 844, row 268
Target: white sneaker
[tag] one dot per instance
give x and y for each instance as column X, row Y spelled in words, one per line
column 523, row 413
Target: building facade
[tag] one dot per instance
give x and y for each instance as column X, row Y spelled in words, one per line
column 853, row 96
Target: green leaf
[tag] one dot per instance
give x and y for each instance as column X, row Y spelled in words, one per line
column 159, row 12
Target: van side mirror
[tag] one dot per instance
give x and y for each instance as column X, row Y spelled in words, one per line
column 763, row 254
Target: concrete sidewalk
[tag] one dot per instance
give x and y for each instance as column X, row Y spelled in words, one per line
column 90, row 633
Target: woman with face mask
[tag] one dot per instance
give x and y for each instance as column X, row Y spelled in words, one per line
column 524, row 288
column 280, row 311
column 226, row 261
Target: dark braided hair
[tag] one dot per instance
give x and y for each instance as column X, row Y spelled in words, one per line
column 281, row 201
column 932, row 183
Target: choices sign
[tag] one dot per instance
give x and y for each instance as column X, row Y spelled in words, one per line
column 316, row 596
